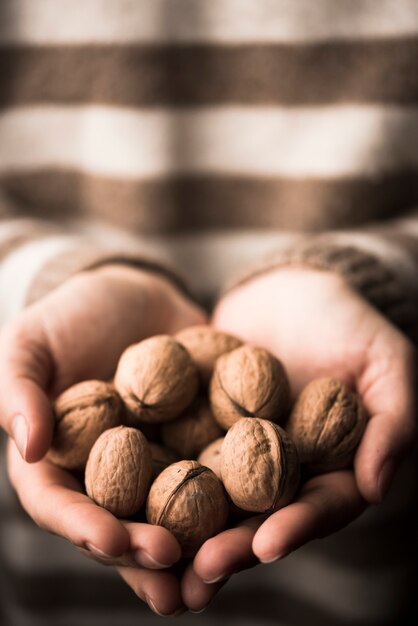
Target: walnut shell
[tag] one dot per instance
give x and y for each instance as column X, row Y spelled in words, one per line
column 189, row 500
column 205, row 345
column 249, row 382
column 157, row 379
column 192, row 431
column 259, row 465
column 82, row 413
column 326, row 424
column 211, row 456
column 118, row 471
column 161, row 458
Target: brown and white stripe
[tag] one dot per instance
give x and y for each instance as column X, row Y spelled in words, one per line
column 223, row 138
column 136, row 75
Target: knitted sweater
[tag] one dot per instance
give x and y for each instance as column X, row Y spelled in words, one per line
column 213, row 139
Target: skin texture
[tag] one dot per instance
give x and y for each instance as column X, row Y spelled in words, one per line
column 71, row 335
column 342, row 335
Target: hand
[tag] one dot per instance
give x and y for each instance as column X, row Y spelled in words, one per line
column 76, row 332
column 318, row 326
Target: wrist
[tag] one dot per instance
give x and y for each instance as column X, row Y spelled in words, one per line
column 290, row 284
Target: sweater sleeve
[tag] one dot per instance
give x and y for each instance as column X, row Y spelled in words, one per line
column 38, row 255
column 380, row 261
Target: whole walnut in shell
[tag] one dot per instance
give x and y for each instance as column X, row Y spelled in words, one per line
column 192, row 431
column 205, row 345
column 259, row 466
column 82, row 413
column 157, row 379
column 249, row 382
column 189, row 500
column 161, row 457
column 326, row 424
column 211, row 456
column 118, row 471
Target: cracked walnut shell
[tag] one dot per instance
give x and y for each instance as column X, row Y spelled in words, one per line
column 82, row 413
column 118, row 471
column 189, row 500
column 205, row 345
column 157, row 379
column 326, row 424
column 259, row 466
column 249, row 382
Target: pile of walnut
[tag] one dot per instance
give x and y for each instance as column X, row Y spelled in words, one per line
column 189, row 428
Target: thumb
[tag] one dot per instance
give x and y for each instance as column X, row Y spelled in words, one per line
column 387, row 387
column 25, row 370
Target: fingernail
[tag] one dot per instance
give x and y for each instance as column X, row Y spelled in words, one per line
column 154, row 608
column 146, row 560
column 385, row 477
column 273, row 559
column 269, row 560
column 98, row 552
column 199, row 611
column 20, row 434
column 218, row 579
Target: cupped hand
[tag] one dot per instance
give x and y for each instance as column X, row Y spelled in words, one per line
column 78, row 332
column 318, row 326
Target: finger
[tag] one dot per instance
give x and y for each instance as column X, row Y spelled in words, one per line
column 25, row 411
column 326, row 504
column 152, row 547
column 195, row 593
column 228, row 552
column 387, row 389
column 53, row 499
column 160, row 590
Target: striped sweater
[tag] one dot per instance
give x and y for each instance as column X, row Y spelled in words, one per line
column 216, row 139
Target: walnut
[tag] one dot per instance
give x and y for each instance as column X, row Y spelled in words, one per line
column 205, row 345
column 249, row 382
column 211, row 456
column 161, row 458
column 157, row 379
column 82, row 413
column 326, row 424
column 118, row 471
column 192, row 431
column 259, row 465
column 189, row 500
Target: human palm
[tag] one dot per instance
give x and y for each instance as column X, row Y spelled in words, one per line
column 78, row 332
column 312, row 321
column 318, row 326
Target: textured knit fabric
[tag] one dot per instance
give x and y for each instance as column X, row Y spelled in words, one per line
column 212, row 140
